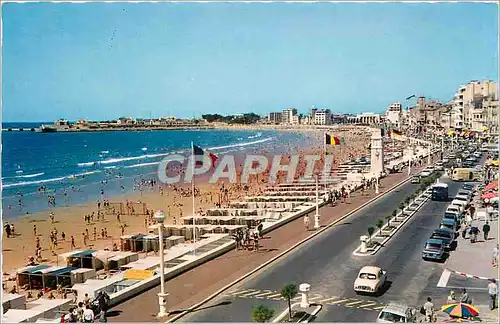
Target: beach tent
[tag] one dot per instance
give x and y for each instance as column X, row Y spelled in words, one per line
column 30, row 276
column 492, row 186
column 83, row 259
column 61, row 276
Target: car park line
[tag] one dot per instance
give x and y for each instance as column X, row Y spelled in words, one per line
column 445, row 277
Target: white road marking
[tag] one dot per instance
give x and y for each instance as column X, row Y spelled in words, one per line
column 276, row 295
column 377, row 308
column 445, row 276
column 315, row 298
column 468, row 288
column 354, row 303
column 368, row 305
column 241, row 292
column 263, row 295
column 323, row 301
column 251, row 294
column 338, row 301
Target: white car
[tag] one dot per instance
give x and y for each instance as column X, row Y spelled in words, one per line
column 425, row 173
column 370, row 279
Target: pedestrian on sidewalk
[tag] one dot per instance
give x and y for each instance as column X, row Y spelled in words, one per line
column 307, row 222
column 429, row 310
column 494, row 260
column 464, row 298
column 486, row 230
column 493, row 292
column 451, row 298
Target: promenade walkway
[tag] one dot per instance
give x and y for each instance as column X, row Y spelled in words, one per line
column 197, row 284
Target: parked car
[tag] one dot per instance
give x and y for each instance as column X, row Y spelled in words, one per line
column 458, row 203
column 468, row 186
column 446, row 236
column 425, row 173
column 449, row 223
column 464, row 198
column 452, row 215
column 397, row 313
column 415, row 179
column 454, row 209
column 433, row 250
column 370, row 279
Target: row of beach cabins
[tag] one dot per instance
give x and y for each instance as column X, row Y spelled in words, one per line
column 133, row 269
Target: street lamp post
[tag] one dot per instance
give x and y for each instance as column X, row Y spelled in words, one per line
column 316, row 217
column 159, row 216
column 377, row 154
column 410, row 154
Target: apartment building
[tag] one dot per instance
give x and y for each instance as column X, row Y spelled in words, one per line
column 394, row 113
column 287, row 116
column 274, row 118
column 322, row 117
column 475, row 104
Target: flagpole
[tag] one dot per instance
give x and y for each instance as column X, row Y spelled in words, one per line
column 324, row 149
column 193, row 161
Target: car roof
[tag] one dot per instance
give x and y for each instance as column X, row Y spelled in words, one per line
column 447, row 221
column 434, row 241
column 441, row 231
column 396, row 308
column 370, row 269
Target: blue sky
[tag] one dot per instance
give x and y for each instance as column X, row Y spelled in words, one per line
column 106, row 60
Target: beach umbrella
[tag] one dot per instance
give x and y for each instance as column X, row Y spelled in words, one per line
column 460, row 310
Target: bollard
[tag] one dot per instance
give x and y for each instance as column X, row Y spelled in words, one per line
column 304, row 289
column 363, row 239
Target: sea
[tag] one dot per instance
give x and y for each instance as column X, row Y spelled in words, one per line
column 77, row 167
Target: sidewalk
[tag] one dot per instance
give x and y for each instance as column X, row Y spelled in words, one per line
column 475, row 258
column 195, row 285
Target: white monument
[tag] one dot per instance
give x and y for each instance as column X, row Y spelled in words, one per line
column 377, row 154
column 304, row 290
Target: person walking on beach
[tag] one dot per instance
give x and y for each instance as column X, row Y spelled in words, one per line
column 73, row 245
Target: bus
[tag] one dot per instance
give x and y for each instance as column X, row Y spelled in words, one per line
column 440, row 192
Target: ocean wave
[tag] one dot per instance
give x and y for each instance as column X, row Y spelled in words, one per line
column 35, row 182
column 104, row 152
column 30, row 175
column 150, row 156
column 241, row 144
column 141, row 165
column 259, row 134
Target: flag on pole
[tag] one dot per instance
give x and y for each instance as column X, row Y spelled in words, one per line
column 382, row 131
column 199, row 153
column 331, row 140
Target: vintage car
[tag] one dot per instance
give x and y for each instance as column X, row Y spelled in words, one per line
column 433, row 250
column 397, row 313
column 370, row 279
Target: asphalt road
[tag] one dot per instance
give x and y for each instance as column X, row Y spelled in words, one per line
column 327, row 264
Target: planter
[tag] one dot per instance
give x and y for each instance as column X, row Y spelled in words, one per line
column 297, row 316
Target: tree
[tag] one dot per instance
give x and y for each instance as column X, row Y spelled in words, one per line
column 379, row 225
column 388, row 219
column 370, row 230
column 394, row 212
column 289, row 292
column 262, row 314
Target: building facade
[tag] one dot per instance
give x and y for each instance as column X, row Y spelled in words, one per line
column 322, row 117
column 475, row 105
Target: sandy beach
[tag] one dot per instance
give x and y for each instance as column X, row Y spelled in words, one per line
column 104, row 231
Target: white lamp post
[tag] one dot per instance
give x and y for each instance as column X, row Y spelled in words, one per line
column 316, row 217
column 160, row 216
column 410, row 153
